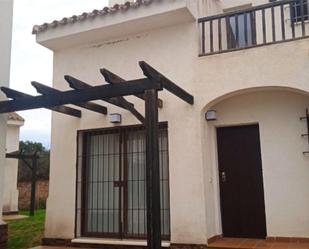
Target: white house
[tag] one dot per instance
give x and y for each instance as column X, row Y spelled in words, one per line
column 10, row 195
column 6, row 13
column 234, row 164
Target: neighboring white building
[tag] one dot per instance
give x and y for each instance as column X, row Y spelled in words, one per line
column 243, row 174
column 6, row 18
column 10, row 196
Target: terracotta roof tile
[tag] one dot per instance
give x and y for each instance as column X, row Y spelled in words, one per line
column 95, row 13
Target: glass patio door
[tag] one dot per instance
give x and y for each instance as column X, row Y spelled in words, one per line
column 136, row 222
column 114, row 183
column 102, row 203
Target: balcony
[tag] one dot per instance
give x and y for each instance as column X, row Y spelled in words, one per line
column 271, row 23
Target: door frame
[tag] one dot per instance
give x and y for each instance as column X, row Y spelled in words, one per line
column 82, row 146
column 216, row 171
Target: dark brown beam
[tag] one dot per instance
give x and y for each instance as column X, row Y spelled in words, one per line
column 80, row 85
column 46, row 90
column 18, row 155
column 152, row 171
column 154, row 75
column 33, row 185
column 78, row 96
column 13, row 94
column 132, row 109
column 114, row 79
column 121, row 101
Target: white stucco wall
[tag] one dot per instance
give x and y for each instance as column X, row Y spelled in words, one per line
column 174, row 52
column 285, row 168
column 185, row 181
column 10, row 196
column 6, row 12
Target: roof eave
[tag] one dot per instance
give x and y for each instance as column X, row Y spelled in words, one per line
column 18, row 123
column 102, row 28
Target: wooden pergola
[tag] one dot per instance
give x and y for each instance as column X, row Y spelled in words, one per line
column 20, row 155
column 146, row 89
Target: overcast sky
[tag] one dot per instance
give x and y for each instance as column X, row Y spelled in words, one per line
column 30, row 61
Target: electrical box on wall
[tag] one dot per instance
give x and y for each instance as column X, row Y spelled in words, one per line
column 211, row 115
column 115, row 118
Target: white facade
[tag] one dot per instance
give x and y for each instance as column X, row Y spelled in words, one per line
column 6, row 16
column 10, row 196
column 267, row 85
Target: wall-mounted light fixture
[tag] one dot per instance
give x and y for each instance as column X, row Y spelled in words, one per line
column 211, row 115
column 115, row 118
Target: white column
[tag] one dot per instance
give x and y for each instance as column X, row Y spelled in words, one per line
column 6, row 16
column 2, row 159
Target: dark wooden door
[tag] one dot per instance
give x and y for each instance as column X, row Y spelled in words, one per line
column 241, row 182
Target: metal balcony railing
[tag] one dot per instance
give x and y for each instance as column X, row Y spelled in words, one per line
column 275, row 22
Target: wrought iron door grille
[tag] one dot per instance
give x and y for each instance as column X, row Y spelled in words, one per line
column 111, row 183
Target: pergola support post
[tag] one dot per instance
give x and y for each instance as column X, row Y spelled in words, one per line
column 152, row 170
column 33, row 186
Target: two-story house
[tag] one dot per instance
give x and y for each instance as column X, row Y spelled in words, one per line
column 6, row 13
column 234, row 164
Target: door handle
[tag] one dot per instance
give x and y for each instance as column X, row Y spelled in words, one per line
column 119, row 184
column 223, row 176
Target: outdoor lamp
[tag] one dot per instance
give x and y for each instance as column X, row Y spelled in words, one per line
column 115, row 118
column 211, row 115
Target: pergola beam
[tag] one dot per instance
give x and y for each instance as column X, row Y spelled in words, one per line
column 132, row 109
column 154, row 75
column 107, row 76
column 46, row 90
column 13, row 94
column 78, row 96
column 80, row 85
column 120, row 101
column 114, row 79
column 18, row 155
column 147, row 89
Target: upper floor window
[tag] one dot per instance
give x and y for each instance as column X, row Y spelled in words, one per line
column 299, row 9
column 241, row 30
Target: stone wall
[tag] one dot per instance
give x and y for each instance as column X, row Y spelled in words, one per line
column 25, row 194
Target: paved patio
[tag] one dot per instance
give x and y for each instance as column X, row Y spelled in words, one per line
column 14, row 217
column 234, row 244
column 231, row 243
column 53, row 247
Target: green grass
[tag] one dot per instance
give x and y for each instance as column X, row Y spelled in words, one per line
column 26, row 233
